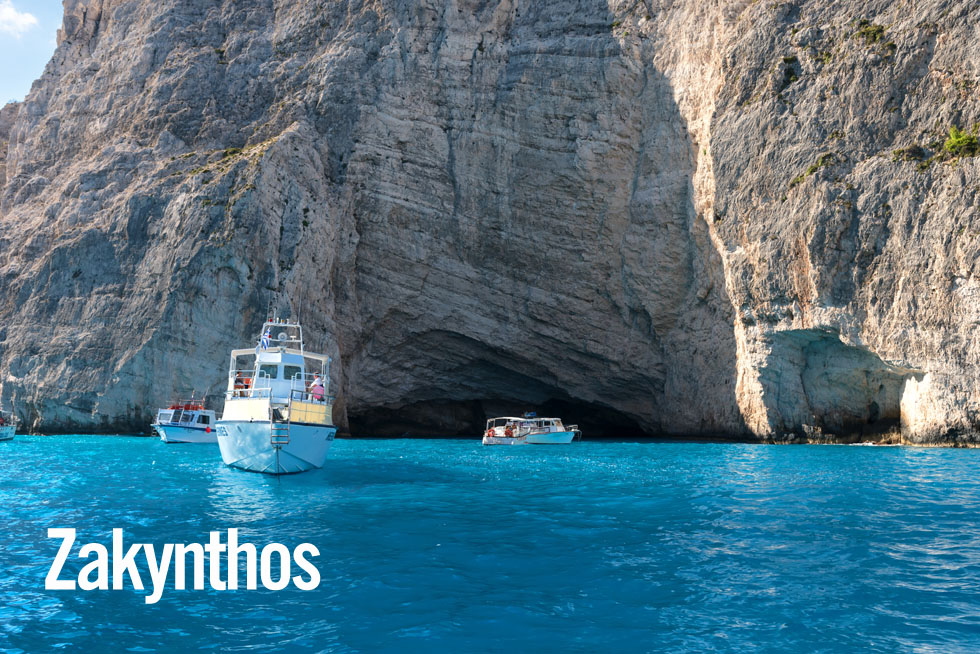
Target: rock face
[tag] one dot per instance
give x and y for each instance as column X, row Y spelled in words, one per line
column 690, row 218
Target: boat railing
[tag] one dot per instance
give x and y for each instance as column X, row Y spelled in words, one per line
column 303, row 395
column 305, row 408
column 249, row 394
column 303, row 382
column 187, row 405
column 247, row 385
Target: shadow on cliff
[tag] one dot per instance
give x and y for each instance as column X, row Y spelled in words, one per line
column 579, row 278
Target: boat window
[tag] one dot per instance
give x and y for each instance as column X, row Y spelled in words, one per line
column 165, row 416
column 271, row 370
column 176, row 416
column 290, row 372
column 204, row 420
column 187, row 417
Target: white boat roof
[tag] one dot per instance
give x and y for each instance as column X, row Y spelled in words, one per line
column 522, row 419
column 251, row 351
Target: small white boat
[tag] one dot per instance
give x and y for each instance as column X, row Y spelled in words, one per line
column 503, row 431
column 8, row 426
column 529, row 430
column 278, row 415
column 186, row 421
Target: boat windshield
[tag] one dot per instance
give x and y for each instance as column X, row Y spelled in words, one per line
column 542, row 425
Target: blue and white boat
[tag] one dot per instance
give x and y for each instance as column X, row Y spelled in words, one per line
column 185, row 421
column 529, row 430
column 278, row 415
column 8, row 426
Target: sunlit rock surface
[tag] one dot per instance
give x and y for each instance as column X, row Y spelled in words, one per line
column 681, row 218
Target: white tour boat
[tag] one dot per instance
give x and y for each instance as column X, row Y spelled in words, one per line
column 186, row 421
column 278, row 415
column 529, row 430
column 8, row 425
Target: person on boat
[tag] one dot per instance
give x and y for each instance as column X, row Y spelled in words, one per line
column 317, row 389
column 239, row 384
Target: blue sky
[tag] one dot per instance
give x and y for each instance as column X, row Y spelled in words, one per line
column 28, row 33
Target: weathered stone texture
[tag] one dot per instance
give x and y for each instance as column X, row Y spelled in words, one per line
column 672, row 217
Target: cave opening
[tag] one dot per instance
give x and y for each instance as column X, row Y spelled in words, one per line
column 467, row 418
column 824, row 388
column 463, row 382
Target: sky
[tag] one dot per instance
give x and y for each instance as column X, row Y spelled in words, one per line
column 28, row 34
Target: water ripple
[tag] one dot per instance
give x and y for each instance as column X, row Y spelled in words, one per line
column 447, row 546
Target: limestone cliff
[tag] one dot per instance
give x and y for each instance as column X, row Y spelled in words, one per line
column 693, row 218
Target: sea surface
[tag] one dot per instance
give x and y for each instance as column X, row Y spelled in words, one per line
column 448, row 546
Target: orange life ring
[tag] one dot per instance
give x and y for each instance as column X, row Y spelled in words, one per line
column 490, row 433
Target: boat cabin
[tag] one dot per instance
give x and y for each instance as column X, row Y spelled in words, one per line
column 184, row 418
column 186, row 413
column 278, row 372
column 543, row 425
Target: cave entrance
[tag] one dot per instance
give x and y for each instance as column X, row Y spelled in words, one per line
column 454, row 393
column 446, row 418
column 824, row 388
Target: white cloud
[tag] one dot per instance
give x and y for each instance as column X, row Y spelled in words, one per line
column 15, row 22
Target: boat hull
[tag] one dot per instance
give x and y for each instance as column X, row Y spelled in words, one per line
column 551, row 438
column 7, row 433
column 503, row 440
column 248, row 446
column 178, row 434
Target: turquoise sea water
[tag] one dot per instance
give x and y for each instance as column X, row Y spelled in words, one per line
column 447, row 546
